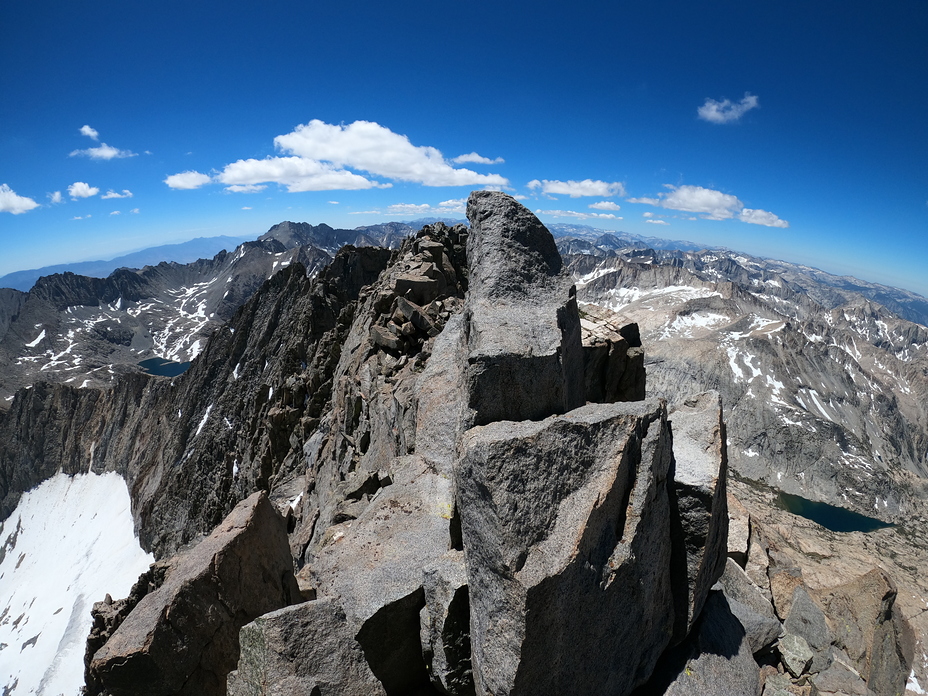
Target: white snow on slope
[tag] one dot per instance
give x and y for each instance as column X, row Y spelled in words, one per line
column 33, row 344
column 69, row 542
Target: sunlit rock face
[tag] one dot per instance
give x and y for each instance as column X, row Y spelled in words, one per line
column 69, row 543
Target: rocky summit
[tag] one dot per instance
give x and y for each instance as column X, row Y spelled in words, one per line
column 444, row 470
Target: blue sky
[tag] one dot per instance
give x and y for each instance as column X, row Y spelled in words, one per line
column 790, row 130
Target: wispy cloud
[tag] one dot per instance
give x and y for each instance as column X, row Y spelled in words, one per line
column 578, row 215
column 116, row 212
column 246, row 207
column 657, row 222
column 90, row 132
column 575, row 189
column 474, row 158
column 455, row 206
column 126, row 193
column 246, row 188
column 55, row 198
column 80, row 189
column 605, row 205
column 134, row 211
column 725, row 111
column 711, row 205
column 103, row 152
column 187, row 180
column 12, row 203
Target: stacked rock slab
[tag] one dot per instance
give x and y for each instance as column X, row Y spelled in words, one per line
column 183, row 637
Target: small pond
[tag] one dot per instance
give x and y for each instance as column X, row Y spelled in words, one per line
column 836, row 519
column 163, row 368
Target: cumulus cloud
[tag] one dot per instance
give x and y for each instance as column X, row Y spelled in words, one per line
column 55, row 197
column 103, row 152
column 126, row 193
column 296, row 173
column 575, row 189
column 116, row 212
column 605, row 205
column 761, row 217
column 726, row 111
column 657, row 222
column 711, row 205
column 90, row 132
column 578, row 216
column 79, row 189
column 474, row 158
column 372, row 148
column 187, row 180
column 246, row 188
column 12, row 203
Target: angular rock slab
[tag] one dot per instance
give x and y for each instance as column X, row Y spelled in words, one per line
column 307, row 649
column 525, row 357
column 565, row 527
column 183, row 637
column 699, row 503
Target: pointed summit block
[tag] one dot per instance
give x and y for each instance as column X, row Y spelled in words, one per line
column 522, row 326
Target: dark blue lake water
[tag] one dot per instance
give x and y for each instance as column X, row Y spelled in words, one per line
column 836, row 519
column 163, row 368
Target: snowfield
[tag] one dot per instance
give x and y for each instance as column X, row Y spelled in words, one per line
column 69, row 542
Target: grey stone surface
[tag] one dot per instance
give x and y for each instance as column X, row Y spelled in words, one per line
column 739, row 531
column 761, row 630
column 182, row 638
column 715, row 660
column 841, row 680
column 750, row 606
column 445, row 625
column 795, row 654
column 806, row 619
column 303, row 650
column 565, row 528
column 525, row 356
column 699, row 502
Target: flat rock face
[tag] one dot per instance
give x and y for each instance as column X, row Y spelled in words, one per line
column 305, row 649
column 525, row 356
column 183, row 638
column 566, row 528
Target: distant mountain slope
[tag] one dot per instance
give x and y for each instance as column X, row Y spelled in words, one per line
column 185, row 252
column 825, row 390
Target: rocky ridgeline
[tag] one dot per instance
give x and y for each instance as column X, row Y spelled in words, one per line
column 475, row 496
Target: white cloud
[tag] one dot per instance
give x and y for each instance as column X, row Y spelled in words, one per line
column 476, row 159
column 12, row 203
column 372, row 148
column 761, row 217
column 605, row 205
column 647, row 215
column 296, row 173
column 126, row 193
column 103, row 152
column 657, row 222
column 449, row 207
column 90, row 132
column 55, row 197
column 246, row 188
column 711, row 205
column 575, row 189
column 79, row 189
column 246, row 207
column 134, row 211
column 116, row 212
column 333, row 202
column 187, row 180
column 725, row 111
column 579, row 216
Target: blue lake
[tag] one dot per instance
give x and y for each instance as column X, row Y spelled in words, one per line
column 163, row 368
column 836, row 519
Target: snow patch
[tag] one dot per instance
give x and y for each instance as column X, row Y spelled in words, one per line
column 203, row 422
column 33, row 344
column 69, row 542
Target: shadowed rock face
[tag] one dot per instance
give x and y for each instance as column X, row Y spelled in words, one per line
column 183, row 637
